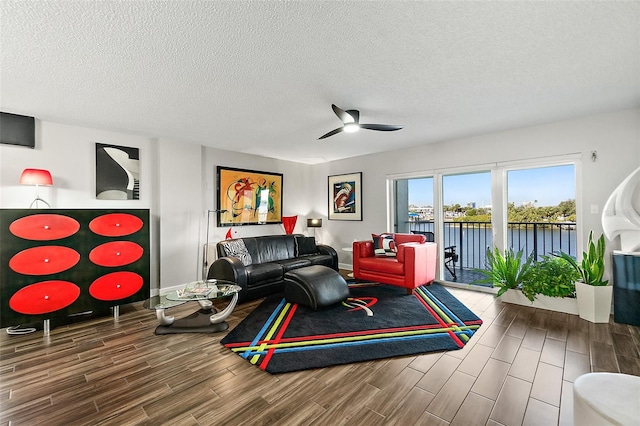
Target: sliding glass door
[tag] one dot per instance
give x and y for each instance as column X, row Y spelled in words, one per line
column 541, row 210
column 466, row 225
column 534, row 211
column 413, row 210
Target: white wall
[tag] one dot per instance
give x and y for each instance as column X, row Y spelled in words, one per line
column 179, row 207
column 615, row 137
column 178, row 180
column 177, row 184
column 296, row 195
column 68, row 152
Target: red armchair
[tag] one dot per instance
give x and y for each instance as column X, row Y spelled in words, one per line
column 414, row 264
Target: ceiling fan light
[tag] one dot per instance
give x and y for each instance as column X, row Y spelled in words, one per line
column 351, row 127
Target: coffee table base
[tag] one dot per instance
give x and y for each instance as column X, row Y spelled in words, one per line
column 197, row 322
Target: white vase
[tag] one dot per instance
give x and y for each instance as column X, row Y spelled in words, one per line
column 594, row 302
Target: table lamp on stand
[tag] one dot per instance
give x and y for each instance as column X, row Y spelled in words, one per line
column 314, row 223
column 37, row 177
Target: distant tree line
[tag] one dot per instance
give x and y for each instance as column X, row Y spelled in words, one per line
column 563, row 212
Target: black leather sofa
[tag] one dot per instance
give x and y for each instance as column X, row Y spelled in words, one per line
column 258, row 264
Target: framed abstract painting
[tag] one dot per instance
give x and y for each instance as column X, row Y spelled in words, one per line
column 117, row 172
column 248, row 197
column 345, row 197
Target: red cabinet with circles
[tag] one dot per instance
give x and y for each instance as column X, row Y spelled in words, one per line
column 58, row 263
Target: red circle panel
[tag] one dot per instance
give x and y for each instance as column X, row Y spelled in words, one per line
column 116, row 253
column 116, row 286
column 44, row 260
column 115, row 224
column 44, row 297
column 44, row 227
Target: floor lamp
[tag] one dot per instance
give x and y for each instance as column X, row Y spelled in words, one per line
column 205, row 254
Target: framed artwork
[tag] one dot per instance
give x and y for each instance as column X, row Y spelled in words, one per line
column 248, row 197
column 117, row 172
column 345, row 197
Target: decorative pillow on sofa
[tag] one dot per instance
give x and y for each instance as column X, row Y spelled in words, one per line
column 384, row 245
column 305, row 245
column 236, row 248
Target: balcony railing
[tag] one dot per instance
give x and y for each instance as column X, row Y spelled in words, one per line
column 473, row 238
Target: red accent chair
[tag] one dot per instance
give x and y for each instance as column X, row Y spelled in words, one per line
column 414, row 264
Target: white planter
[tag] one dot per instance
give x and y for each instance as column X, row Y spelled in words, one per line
column 557, row 304
column 594, row 302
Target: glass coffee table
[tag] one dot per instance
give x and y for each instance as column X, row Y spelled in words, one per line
column 206, row 319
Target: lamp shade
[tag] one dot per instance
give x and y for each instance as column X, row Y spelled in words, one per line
column 289, row 223
column 36, row 177
column 314, row 223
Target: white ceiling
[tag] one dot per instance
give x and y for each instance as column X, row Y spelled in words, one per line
column 260, row 76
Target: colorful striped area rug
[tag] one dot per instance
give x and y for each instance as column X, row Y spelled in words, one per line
column 377, row 321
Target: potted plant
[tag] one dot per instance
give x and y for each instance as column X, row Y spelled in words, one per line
column 506, row 272
column 553, row 277
column 594, row 295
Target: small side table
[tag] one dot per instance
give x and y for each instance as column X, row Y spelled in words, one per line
column 206, row 319
column 349, row 250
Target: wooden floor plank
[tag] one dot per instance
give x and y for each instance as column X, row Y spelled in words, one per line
column 575, row 365
column 410, row 410
column 395, row 391
column 534, row 338
column 447, row 402
column 525, row 364
column 566, row 405
column 476, row 360
column 547, row 385
column 507, row 349
column 438, row 375
column 512, row 402
column 491, row 379
column 539, row 413
column 553, row 352
column 578, row 341
column 517, row 369
column 475, row 410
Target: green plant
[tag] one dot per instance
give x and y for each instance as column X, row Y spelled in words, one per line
column 552, row 276
column 506, row 271
column 591, row 269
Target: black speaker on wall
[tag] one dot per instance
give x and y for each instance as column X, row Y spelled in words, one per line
column 17, row 130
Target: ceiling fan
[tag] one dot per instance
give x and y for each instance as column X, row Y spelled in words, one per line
column 351, row 120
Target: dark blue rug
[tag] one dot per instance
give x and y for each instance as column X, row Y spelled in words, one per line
column 377, row 321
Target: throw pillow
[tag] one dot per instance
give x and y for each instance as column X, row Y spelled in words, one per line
column 236, row 248
column 384, row 245
column 305, row 245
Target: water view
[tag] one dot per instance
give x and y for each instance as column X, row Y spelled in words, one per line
column 541, row 214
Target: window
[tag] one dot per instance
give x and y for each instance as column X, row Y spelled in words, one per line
column 541, row 210
column 535, row 211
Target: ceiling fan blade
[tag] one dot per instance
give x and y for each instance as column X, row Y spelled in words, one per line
column 331, row 133
column 355, row 114
column 343, row 115
column 382, row 127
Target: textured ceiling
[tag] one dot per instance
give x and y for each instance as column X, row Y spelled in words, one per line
column 260, row 76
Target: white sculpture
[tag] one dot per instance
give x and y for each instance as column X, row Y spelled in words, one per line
column 621, row 213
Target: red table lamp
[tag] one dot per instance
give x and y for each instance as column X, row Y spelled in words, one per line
column 36, row 177
column 289, row 223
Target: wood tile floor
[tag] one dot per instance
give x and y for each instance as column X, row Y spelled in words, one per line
column 518, row 369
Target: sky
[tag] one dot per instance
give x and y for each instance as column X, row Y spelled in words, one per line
column 547, row 186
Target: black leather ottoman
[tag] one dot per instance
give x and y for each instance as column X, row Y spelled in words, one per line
column 315, row 286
